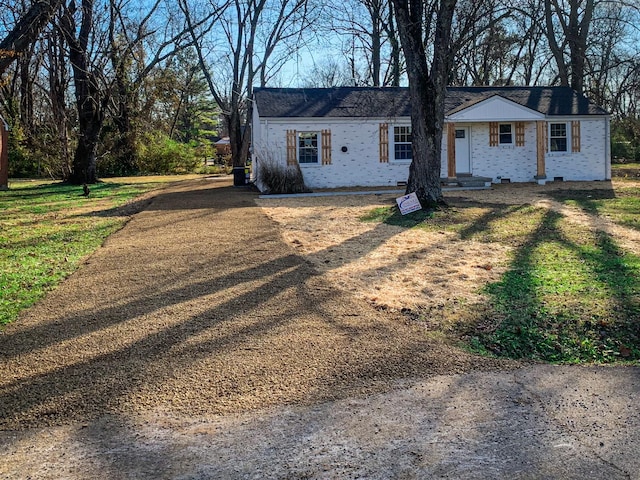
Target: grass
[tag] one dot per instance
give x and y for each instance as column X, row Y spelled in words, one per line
column 622, row 208
column 570, row 294
column 625, row 170
column 47, row 230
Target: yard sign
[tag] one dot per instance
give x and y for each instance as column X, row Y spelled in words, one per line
column 408, row 203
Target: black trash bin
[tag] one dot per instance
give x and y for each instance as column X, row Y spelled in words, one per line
column 239, row 177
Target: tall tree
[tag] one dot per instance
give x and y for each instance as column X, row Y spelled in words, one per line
column 138, row 44
column 257, row 38
column 91, row 93
column 418, row 22
column 370, row 38
column 568, row 23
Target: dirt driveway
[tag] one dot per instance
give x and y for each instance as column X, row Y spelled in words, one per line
column 197, row 343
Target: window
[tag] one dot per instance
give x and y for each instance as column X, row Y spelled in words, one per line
column 506, row 137
column 558, row 137
column 308, row 147
column 402, row 143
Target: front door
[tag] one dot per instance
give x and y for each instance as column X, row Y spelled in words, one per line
column 463, row 150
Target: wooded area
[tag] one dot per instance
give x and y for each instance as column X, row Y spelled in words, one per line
column 113, row 87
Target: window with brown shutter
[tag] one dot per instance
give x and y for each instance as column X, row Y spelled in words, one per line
column 292, row 147
column 384, row 143
column 493, row 134
column 326, row 147
column 519, row 134
column 575, row 136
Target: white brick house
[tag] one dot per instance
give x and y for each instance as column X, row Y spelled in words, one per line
column 353, row 136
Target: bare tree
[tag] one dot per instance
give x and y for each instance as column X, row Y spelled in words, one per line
column 138, row 43
column 254, row 39
column 26, row 31
column 91, row 91
column 482, row 43
column 370, row 42
column 417, row 21
column 327, row 73
column 568, row 23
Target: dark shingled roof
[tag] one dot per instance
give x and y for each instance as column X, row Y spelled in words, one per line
column 394, row 101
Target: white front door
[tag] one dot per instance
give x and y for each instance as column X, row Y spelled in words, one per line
column 463, row 150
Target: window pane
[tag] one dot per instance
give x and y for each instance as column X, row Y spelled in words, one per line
column 505, row 133
column 403, row 151
column 308, row 147
column 558, row 137
column 558, row 144
column 558, row 129
column 402, row 143
column 402, row 134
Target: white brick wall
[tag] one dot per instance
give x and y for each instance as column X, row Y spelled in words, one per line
column 361, row 166
column 588, row 164
column 515, row 163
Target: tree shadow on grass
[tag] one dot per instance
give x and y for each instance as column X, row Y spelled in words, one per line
column 621, row 206
column 565, row 299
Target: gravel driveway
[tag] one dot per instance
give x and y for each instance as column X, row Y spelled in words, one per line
column 197, row 344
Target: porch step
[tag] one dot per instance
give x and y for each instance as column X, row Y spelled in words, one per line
column 468, row 181
column 474, row 182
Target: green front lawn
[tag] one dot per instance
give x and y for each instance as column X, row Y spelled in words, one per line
column 47, row 229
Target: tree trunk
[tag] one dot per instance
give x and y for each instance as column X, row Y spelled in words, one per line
column 57, row 88
column 84, row 160
column 395, row 50
column 575, row 30
column 427, row 89
column 376, row 42
column 125, row 147
column 426, row 137
column 239, row 140
column 26, row 92
column 90, row 100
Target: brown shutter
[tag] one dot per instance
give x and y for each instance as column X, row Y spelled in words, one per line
column 575, row 136
column 326, row 147
column 384, row 143
column 292, row 147
column 493, row 134
column 519, row 134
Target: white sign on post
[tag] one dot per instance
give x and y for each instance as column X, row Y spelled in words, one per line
column 408, row 203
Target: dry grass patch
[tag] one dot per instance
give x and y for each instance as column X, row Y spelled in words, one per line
column 551, row 265
column 388, row 265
